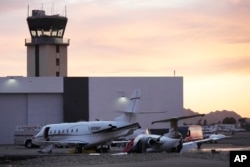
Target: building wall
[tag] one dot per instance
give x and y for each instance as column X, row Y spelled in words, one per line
column 47, row 60
column 27, row 109
column 31, row 61
column 19, row 84
column 28, row 101
column 44, row 108
column 47, row 55
column 76, row 99
column 63, row 60
column 43, row 100
column 159, row 94
column 13, row 112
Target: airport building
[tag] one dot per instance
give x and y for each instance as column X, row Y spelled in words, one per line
column 43, row 100
column 48, row 95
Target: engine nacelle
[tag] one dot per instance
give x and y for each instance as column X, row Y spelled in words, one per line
column 143, row 143
column 152, row 141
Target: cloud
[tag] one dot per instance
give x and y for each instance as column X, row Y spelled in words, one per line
column 120, row 33
column 11, row 5
column 234, row 65
column 220, row 66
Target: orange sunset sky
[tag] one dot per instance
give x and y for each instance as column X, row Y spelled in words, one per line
column 205, row 41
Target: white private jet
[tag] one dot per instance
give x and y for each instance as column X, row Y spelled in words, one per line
column 172, row 141
column 89, row 134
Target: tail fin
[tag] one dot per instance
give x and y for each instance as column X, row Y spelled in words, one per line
column 129, row 115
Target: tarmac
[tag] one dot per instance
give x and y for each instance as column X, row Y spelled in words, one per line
column 209, row 155
column 171, row 162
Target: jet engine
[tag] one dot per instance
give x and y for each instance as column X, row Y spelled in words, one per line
column 142, row 144
column 152, row 141
column 178, row 148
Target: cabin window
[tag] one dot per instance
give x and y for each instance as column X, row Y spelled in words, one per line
column 63, row 131
column 54, row 131
column 58, row 131
column 67, row 131
column 76, row 130
column 95, row 128
column 71, row 130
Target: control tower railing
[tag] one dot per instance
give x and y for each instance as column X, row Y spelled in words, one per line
column 39, row 41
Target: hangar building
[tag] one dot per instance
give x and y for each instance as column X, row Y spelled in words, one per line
column 43, row 100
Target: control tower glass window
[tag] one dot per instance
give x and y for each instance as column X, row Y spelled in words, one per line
column 48, row 33
column 43, row 26
column 54, row 33
column 39, row 33
column 60, row 32
column 33, row 33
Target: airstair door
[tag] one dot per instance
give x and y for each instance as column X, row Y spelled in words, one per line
column 46, row 133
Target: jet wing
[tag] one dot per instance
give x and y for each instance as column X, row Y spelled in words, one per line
column 114, row 128
column 188, row 146
column 213, row 137
column 67, row 143
column 177, row 118
column 120, row 141
column 194, row 144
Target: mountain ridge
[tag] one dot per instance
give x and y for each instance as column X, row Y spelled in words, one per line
column 212, row 117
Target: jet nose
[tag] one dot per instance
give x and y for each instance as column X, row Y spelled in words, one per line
column 35, row 141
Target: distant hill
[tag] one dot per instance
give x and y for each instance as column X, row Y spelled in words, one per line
column 212, row 117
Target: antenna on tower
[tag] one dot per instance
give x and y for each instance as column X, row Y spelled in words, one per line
column 65, row 11
column 28, row 11
column 52, row 9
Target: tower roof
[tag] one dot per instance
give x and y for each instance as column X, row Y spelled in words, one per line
column 41, row 25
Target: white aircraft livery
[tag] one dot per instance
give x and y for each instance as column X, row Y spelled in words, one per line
column 84, row 135
column 172, row 141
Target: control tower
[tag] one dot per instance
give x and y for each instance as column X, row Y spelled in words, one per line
column 46, row 49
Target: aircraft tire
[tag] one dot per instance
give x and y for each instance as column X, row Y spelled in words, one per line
column 142, row 147
column 179, row 147
column 78, row 150
column 199, row 145
column 28, row 144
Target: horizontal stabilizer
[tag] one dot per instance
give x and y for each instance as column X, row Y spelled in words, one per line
column 177, row 118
